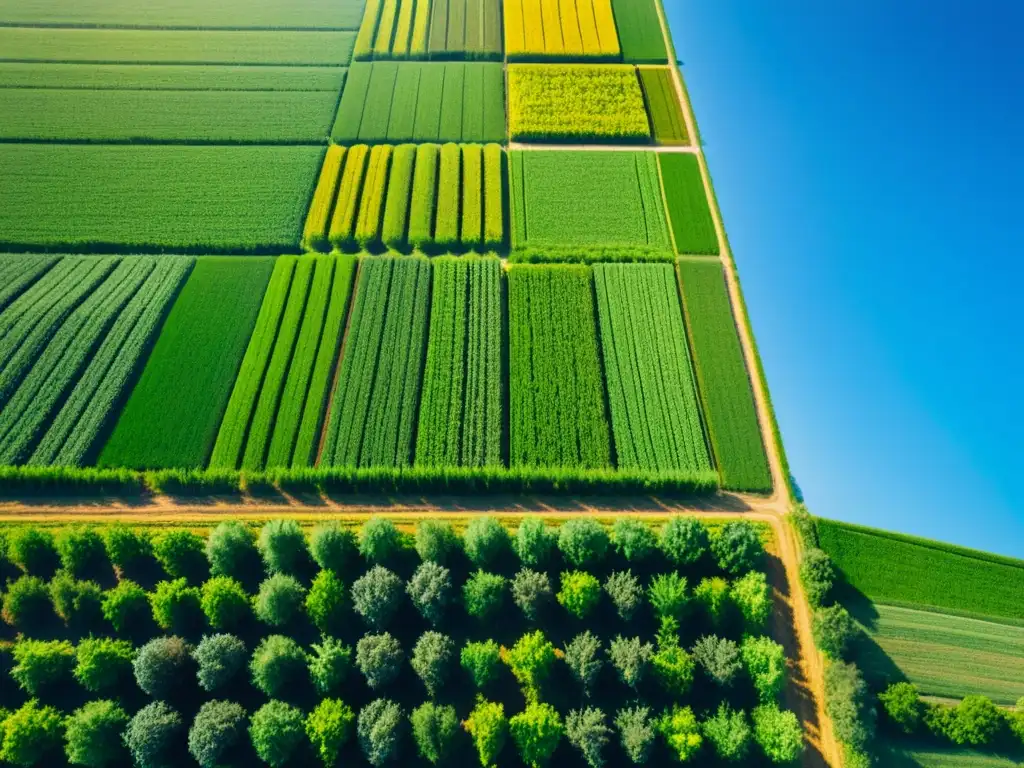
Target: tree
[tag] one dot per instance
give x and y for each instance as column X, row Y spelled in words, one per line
column 673, row 666
column 729, row 733
column 83, row 553
column 379, row 658
column 152, row 734
column 583, row 658
column 102, row 663
column 903, row 706
column 219, row 728
column 78, row 604
column 778, row 733
column 719, row 658
column 489, row 729
column 34, row 552
column 834, row 631
column 631, row 658
column 434, row 727
column 684, row 540
column 531, row 591
column 534, row 542
column 280, row 600
column 485, row 541
column 752, row 596
column 633, row 539
column 31, row 735
column 41, row 664
column 436, row 541
column 625, row 592
column 225, row 603
column 176, row 606
column 583, row 541
column 480, row 660
column 431, row 660
column 536, row 732
column 325, row 602
column 818, row 575
column 333, row 548
column 220, row 658
column 765, row 661
column 530, row 661
column 276, row 730
column 580, row 593
column 329, row 664
column 125, row 606
column 27, row 604
column 376, row 596
column 678, row 726
column 848, row 703
column 636, row 733
column 738, row 547
column 283, row 547
column 380, row 729
column 379, row 540
column 587, row 730
column 713, row 595
column 1016, row 719
column 328, row 727
column 430, row 590
column 667, row 595
column 231, row 550
column 162, row 665
column 93, row 734
column 977, row 722
column 182, row 554
column 128, row 550
column 277, row 663
column 483, row 594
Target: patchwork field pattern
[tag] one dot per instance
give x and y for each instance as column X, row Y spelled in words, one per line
column 568, row 30
column 436, row 29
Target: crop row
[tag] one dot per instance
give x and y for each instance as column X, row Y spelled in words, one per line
column 663, row 104
column 436, row 29
column 640, row 31
column 560, row 30
column 18, row 273
column 409, row 101
column 688, row 210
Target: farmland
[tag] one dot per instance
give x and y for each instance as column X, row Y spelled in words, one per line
column 576, row 103
column 725, row 387
column 435, row 29
column 667, row 121
column 688, row 211
column 640, row 31
column 538, row 30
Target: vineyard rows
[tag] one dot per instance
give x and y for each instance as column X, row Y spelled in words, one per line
column 558, row 30
column 435, row 29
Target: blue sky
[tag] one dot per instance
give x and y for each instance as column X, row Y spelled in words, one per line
column 869, row 160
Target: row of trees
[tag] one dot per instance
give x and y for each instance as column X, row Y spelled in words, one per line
column 976, row 721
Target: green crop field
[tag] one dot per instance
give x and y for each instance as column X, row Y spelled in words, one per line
column 667, row 122
column 688, row 208
column 436, row 29
column 640, row 31
column 897, row 755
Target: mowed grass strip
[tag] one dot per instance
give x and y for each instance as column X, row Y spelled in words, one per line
column 666, row 112
column 640, row 32
column 655, row 414
column 688, row 208
column 556, row 390
column 912, row 572
column 725, row 386
column 172, row 416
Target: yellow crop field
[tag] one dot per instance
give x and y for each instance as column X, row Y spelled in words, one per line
column 565, row 30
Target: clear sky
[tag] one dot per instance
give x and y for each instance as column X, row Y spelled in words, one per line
column 869, row 160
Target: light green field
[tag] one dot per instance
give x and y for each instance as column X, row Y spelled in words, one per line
column 171, row 77
column 897, row 757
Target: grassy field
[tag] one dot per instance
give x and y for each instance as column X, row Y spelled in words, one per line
column 640, row 31
column 172, row 77
column 537, row 30
column 688, row 210
column 895, row 755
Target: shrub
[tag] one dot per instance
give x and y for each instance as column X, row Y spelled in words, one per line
column 103, row 663
column 1016, row 720
column 431, row 660
column 93, row 734
column 125, row 606
column 219, row 659
column 530, row 661
column 848, row 704
column 903, row 706
column 485, row 541
column 534, row 542
column 82, row 552
column 729, row 733
column 128, row 550
column 583, row 541
column 329, row 664
column 231, row 550
column 765, row 661
column 753, row 598
column 182, row 555
column 379, row 658
column 27, row 603
column 77, row 603
column 277, row 663
column 34, row 552
column 636, row 733
column 276, row 730
column 582, row 657
column 176, row 605
column 328, row 727
column 536, row 732
column 162, row 665
column 480, row 660
column 483, row 594
column 219, row 728
column 531, row 591
column 738, row 547
column 631, row 658
column 379, row 540
column 778, row 733
column 376, row 596
column 625, row 592
column 283, row 547
column 40, row 664
column 633, row 539
column 333, row 548
column 489, row 729
column 977, row 722
column 684, row 540
column 433, row 728
column 587, row 730
column 436, row 541
column 152, row 734
column 580, row 593
column 713, row 595
column 678, row 726
column 818, row 575
column 430, row 590
column 667, row 594
column 225, row 603
column 31, row 735
column 325, row 602
column 279, row 601
column 719, row 658
column 834, row 631
column 673, row 666
column 380, row 729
